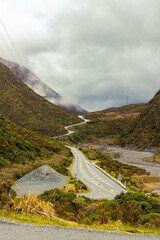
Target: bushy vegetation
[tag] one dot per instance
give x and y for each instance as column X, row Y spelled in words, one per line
column 5, row 188
column 107, row 123
column 25, row 108
column 132, row 208
column 137, row 179
column 22, row 151
column 78, row 185
column 145, row 131
column 137, row 125
column 18, row 145
column 97, row 129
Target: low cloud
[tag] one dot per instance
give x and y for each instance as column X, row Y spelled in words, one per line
column 92, row 52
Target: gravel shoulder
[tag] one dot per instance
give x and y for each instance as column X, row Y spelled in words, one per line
column 15, row 231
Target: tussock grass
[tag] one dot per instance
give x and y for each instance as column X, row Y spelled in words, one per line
column 31, row 205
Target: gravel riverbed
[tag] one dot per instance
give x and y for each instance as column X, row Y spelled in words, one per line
column 136, row 158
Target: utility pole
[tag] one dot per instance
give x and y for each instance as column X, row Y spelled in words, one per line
column 127, row 100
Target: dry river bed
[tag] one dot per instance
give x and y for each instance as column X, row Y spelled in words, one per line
column 136, row 158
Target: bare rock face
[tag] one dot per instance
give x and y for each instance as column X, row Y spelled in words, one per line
column 42, row 179
column 40, row 87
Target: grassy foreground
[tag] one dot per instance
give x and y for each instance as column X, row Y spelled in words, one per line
column 35, row 220
column 132, row 212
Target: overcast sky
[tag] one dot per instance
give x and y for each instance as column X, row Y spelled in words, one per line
column 92, row 52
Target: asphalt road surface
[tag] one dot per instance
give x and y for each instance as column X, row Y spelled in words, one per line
column 101, row 186
column 74, row 125
column 11, row 231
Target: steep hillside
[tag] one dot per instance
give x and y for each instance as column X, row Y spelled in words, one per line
column 18, row 145
column 145, row 131
column 24, row 107
column 22, row 151
column 41, row 88
column 110, row 122
column 137, row 125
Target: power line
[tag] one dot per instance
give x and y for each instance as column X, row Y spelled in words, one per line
column 13, row 45
column 3, row 52
column 7, row 46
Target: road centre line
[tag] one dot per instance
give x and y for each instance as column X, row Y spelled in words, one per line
column 93, row 189
column 81, row 164
column 95, row 183
column 103, row 194
column 93, row 172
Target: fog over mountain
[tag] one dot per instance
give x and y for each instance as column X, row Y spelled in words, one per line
column 41, row 88
column 92, row 52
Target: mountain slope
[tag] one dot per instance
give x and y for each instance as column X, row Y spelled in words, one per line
column 24, row 107
column 145, row 130
column 110, row 122
column 41, row 88
column 22, row 151
column 126, row 112
column 19, row 145
column 137, row 125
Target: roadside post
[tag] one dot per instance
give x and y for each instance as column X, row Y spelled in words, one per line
column 120, row 177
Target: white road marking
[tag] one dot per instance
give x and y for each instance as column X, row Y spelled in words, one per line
column 92, row 176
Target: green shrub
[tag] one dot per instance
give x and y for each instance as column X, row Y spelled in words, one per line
column 146, row 218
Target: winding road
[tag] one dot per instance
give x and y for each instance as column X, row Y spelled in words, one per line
column 100, row 185
column 73, row 125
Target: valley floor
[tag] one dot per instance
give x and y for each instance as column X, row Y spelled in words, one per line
column 136, row 158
